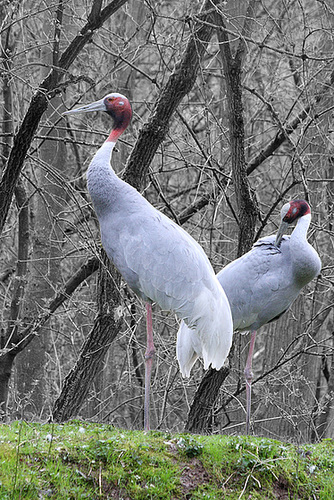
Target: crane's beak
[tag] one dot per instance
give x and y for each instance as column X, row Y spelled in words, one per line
column 281, row 230
column 94, row 106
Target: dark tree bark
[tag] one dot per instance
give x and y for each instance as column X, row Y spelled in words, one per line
column 200, row 417
column 7, row 361
column 207, row 393
column 94, row 349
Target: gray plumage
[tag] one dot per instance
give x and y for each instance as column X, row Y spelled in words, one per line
column 157, row 258
column 262, row 284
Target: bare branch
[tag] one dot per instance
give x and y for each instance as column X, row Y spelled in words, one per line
column 178, row 85
column 282, row 136
column 26, row 336
column 39, row 104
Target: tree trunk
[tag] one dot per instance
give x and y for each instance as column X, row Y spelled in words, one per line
column 199, row 413
column 94, row 349
column 20, row 278
column 10, row 178
column 6, row 367
column 33, row 376
column 200, row 417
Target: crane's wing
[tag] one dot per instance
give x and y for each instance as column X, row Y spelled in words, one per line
column 164, row 264
column 264, row 287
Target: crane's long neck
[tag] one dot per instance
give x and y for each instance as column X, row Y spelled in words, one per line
column 299, row 234
column 102, row 157
column 305, row 260
column 103, row 184
column 101, row 178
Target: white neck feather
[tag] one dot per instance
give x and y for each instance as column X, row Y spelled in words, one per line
column 101, row 179
column 300, row 231
column 305, row 260
column 102, row 156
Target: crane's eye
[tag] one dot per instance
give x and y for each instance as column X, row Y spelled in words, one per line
column 110, row 99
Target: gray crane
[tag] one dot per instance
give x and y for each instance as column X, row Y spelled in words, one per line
column 159, row 260
column 260, row 286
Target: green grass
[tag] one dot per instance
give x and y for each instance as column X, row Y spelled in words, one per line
column 79, row 460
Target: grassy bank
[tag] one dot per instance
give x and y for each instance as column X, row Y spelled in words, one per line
column 78, row 460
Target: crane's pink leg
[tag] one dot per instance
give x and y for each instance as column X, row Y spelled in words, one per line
column 249, row 377
column 149, row 354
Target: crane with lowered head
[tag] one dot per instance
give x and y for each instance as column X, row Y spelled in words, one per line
column 260, row 286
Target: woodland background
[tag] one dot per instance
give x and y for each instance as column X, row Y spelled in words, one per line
column 233, row 116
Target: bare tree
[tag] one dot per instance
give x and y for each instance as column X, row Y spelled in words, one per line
column 208, row 391
column 14, row 340
column 232, row 117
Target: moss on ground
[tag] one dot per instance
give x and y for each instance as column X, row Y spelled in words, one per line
column 79, row 460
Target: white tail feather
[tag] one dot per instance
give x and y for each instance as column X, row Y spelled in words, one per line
column 185, row 352
column 208, row 335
